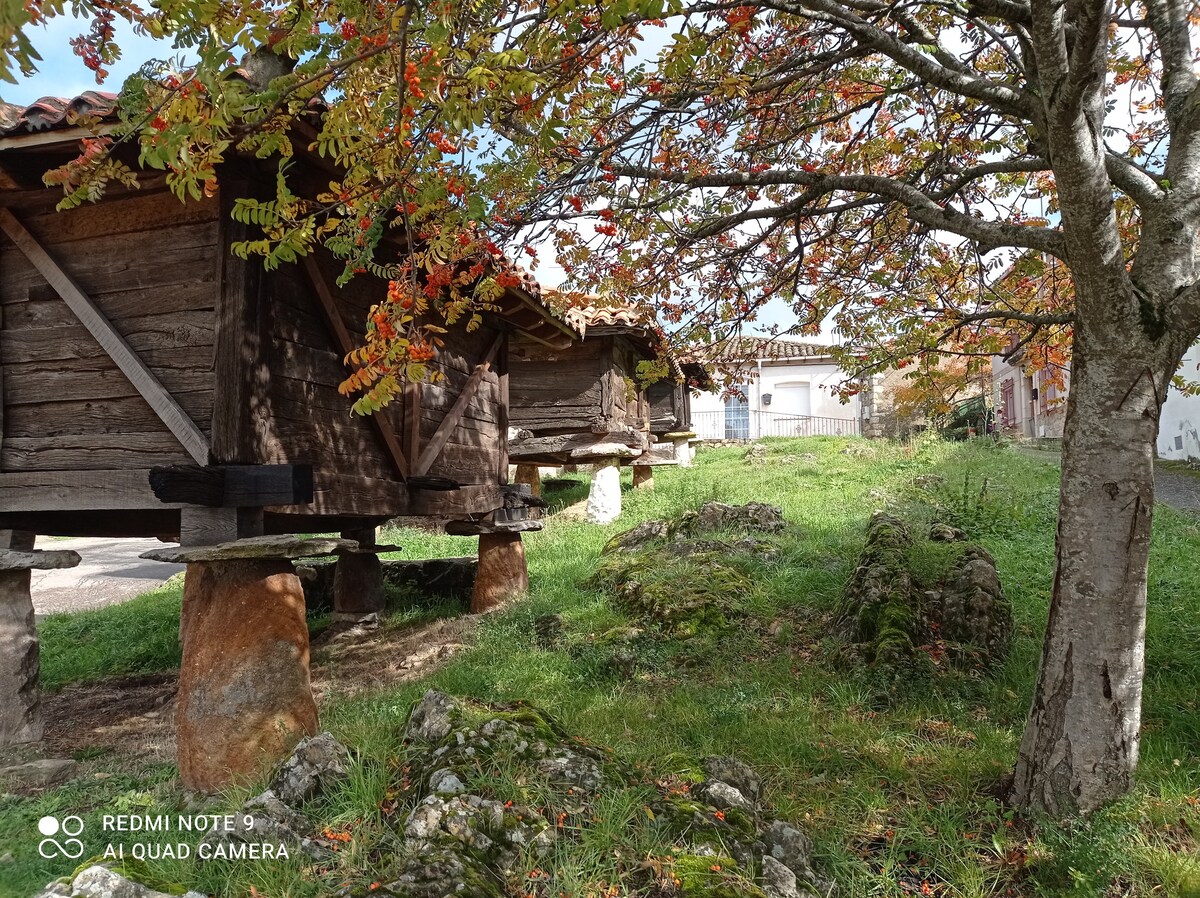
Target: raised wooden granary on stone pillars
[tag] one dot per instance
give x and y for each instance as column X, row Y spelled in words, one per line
column 154, row 384
column 587, row 402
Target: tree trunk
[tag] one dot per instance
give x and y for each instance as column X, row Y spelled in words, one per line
column 1080, row 747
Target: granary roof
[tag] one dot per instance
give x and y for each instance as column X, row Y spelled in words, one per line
column 743, row 348
column 54, row 113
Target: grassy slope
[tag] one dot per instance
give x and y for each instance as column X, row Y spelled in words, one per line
column 895, row 790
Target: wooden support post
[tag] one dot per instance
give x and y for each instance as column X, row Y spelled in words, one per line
column 245, row 697
column 643, row 477
column 531, row 475
column 358, row 577
column 502, row 572
column 201, row 525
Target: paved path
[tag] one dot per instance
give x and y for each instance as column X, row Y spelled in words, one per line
column 110, row 572
column 1177, row 489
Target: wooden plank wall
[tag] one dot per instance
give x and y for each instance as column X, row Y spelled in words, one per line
column 309, row 421
column 147, row 262
column 556, row 391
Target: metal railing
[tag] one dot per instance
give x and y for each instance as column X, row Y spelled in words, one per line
column 747, row 424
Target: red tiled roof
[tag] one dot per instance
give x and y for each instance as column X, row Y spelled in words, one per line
column 53, row 113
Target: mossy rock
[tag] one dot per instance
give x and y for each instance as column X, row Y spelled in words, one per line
column 713, row 876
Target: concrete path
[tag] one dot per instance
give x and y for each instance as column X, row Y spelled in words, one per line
column 110, row 572
column 1178, row 489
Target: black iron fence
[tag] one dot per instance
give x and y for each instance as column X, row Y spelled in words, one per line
column 747, row 424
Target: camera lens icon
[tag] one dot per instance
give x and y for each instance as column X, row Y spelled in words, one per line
column 70, row 826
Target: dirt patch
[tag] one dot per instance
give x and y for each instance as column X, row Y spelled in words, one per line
column 129, row 715
column 134, row 717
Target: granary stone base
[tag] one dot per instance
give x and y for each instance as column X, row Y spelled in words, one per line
column 604, row 498
column 244, row 694
column 532, row 475
column 643, row 477
column 683, row 452
column 502, row 570
column 20, row 697
column 358, row 584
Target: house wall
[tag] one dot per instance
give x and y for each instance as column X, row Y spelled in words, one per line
column 799, row 389
column 1022, row 413
column 1179, row 425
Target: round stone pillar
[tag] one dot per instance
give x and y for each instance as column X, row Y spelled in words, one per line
column 245, row 698
column 604, row 497
column 502, row 574
column 643, row 477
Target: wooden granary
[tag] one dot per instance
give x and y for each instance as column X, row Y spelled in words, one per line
column 588, row 402
column 154, row 384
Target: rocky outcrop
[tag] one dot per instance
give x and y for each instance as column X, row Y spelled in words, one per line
column 710, row 518
column 462, row 838
column 897, row 618
column 100, row 882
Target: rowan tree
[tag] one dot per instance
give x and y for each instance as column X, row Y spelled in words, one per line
column 880, row 162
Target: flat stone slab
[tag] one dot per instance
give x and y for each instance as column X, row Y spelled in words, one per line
column 264, row 547
column 605, row 450
column 54, row 559
column 478, row 528
column 39, row 774
column 680, row 435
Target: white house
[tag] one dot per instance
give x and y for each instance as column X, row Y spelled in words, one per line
column 1179, row 426
column 785, row 387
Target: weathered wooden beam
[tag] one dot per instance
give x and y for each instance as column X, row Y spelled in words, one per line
column 446, row 428
column 379, row 421
column 77, row 491
column 234, row 486
column 148, row 385
column 412, row 421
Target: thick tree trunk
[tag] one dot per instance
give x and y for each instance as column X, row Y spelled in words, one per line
column 1080, row 747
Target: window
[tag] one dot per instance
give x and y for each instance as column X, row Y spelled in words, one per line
column 737, row 414
column 1178, row 442
column 1007, row 403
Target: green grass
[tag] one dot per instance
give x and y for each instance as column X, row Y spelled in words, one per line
column 897, row 788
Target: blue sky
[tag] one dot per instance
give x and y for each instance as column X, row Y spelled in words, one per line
column 62, row 74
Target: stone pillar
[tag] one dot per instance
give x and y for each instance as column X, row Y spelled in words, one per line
column 358, row 578
column 683, row 452
column 502, row 572
column 604, row 497
column 20, row 656
column 531, row 475
column 20, row 662
column 244, row 694
column 643, row 477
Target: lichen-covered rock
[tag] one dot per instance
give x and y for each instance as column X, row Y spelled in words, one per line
column 271, row 821
column 432, row 718
column 974, row 611
column 710, row 517
column 879, row 604
column 100, row 882
column 944, row 533
column 441, row 873
column 567, row 767
column 725, row 797
column 737, row 773
column 792, row 849
column 637, row 538
column 747, row 545
column 445, row 782
column 317, row 763
column 756, row 454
